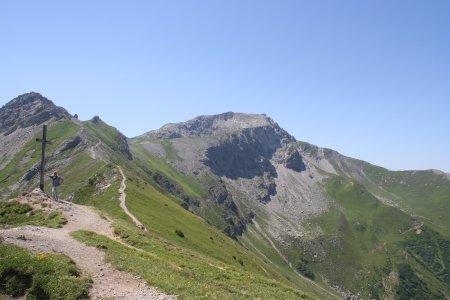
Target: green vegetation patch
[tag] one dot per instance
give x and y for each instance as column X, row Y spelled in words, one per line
column 187, row 274
column 431, row 250
column 366, row 240
column 171, row 153
column 90, row 184
column 304, row 268
column 13, row 213
column 110, row 136
column 412, row 286
column 423, row 192
column 40, row 276
column 153, row 165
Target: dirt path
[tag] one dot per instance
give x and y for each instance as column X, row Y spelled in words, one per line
column 107, row 281
column 415, row 228
column 123, row 197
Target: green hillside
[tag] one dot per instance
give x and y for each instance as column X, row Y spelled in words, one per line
column 365, row 243
column 425, row 193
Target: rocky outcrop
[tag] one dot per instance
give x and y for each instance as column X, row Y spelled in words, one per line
column 266, row 188
column 234, row 229
column 71, row 144
column 123, row 147
column 29, row 110
column 236, row 224
column 219, row 193
column 169, row 186
column 246, row 154
column 31, row 173
column 290, row 157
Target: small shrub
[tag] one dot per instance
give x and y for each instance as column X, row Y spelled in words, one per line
column 121, row 233
column 179, row 233
column 304, row 269
column 241, row 261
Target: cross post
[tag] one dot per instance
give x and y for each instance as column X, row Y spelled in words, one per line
column 44, row 142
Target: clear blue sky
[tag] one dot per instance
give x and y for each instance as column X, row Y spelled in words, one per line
column 370, row 79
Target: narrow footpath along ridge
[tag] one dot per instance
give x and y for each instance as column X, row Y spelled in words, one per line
column 107, row 281
column 123, row 197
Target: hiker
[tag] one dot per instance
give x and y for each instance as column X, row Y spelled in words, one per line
column 56, row 182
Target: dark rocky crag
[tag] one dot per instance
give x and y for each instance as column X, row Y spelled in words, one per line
column 29, row 110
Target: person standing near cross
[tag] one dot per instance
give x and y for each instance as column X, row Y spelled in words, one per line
column 56, row 183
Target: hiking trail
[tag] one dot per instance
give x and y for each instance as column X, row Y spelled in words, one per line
column 123, row 197
column 107, row 281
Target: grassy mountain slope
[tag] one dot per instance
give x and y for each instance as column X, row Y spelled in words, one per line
column 376, row 234
column 202, row 263
column 425, row 193
column 422, row 193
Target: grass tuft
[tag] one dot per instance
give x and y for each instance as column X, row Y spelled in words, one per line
column 40, row 276
column 13, row 213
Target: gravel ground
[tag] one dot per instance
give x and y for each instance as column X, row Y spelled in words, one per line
column 107, row 281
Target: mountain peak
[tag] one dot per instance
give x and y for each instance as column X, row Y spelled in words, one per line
column 27, row 99
column 208, row 125
column 28, row 110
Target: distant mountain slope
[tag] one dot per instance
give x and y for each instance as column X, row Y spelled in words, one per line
column 423, row 193
column 290, row 201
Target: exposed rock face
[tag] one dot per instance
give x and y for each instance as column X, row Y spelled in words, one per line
column 29, row 110
column 167, row 185
column 253, row 161
column 220, row 194
column 71, row 144
column 247, row 152
column 267, row 188
column 216, row 125
column 291, row 158
column 31, row 172
column 244, row 155
column 123, row 147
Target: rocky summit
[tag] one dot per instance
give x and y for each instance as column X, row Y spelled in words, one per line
column 216, row 125
column 28, row 110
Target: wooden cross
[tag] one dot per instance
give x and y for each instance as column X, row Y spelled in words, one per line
column 44, row 142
